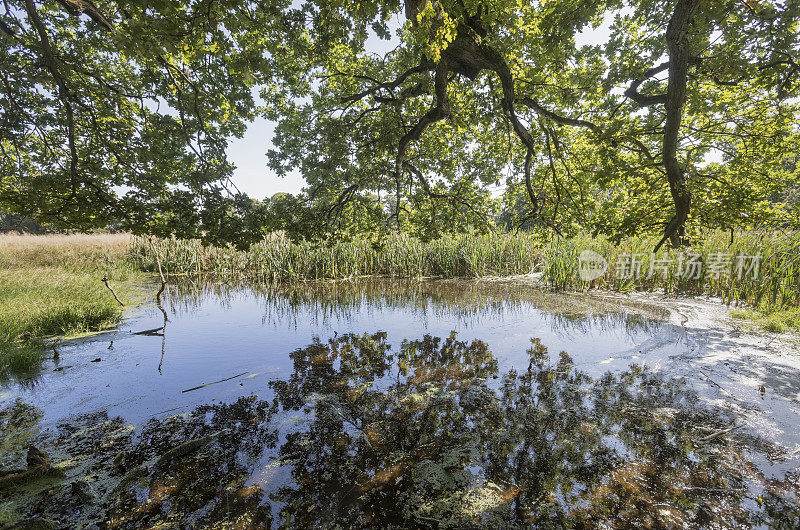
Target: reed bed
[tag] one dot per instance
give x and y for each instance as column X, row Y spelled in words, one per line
column 403, row 256
column 753, row 268
column 725, row 262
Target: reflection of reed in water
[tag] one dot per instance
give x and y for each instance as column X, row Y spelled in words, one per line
column 465, row 301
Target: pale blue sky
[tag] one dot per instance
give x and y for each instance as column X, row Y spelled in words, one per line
column 248, row 154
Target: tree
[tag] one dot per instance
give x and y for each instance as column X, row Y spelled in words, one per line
column 592, row 134
column 123, row 110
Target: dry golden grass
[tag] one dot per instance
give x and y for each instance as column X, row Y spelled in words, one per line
column 51, row 285
column 72, row 251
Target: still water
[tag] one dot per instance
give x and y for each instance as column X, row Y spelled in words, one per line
column 379, row 403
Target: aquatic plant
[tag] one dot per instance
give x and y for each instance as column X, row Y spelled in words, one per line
column 725, row 260
column 278, row 259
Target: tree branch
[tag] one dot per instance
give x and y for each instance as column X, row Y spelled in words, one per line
column 78, row 7
column 562, row 120
column 63, row 91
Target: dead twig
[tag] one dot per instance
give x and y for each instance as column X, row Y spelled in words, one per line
column 720, row 433
column 715, row 383
column 150, row 332
column 160, row 271
column 158, row 302
column 105, row 281
column 214, row 383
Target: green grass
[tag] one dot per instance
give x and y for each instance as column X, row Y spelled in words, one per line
column 51, row 286
column 774, row 321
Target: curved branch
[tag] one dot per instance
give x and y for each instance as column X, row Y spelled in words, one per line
column 63, row 92
column 79, row 7
column 425, row 66
column 439, row 111
column 562, row 120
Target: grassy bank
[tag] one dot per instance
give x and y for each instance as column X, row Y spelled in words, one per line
column 775, row 285
column 51, row 285
column 775, row 320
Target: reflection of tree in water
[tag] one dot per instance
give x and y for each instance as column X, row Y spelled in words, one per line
column 189, row 470
column 437, row 441
column 431, row 435
column 204, row 477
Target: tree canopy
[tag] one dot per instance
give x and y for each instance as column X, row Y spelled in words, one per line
column 403, row 115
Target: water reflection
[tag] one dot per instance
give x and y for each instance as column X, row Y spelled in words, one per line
column 430, row 434
column 465, row 301
column 202, row 333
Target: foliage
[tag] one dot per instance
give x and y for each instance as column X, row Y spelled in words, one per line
column 122, row 112
column 774, row 321
column 753, row 268
column 402, row 115
column 472, row 92
column 10, row 222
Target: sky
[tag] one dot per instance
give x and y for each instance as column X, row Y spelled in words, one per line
column 249, row 153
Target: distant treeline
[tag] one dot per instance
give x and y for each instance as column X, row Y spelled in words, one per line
column 10, row 222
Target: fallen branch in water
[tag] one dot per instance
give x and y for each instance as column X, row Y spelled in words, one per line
column 214, row 383
column 158, row 304
column 720, row 433
column 105, row 281
column 182, row 450
column 787, row 456
column 715, row 383
column 150, row 332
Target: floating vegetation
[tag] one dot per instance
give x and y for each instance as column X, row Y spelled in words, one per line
column 427, row 435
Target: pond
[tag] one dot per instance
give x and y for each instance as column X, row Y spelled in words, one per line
column 382, row 403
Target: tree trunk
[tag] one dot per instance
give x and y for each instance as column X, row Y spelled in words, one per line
column 678, row 45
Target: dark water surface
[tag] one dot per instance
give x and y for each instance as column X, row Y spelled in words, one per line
column 380, row 403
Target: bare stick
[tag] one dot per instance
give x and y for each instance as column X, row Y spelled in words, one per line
column 715, row 383
column 158, row 302
column 160, row 272
column 105, row 281
column 214, row 383
column 720, row 433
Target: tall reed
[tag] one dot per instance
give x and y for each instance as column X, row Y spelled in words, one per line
column 723, row 262
column 279, row 259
